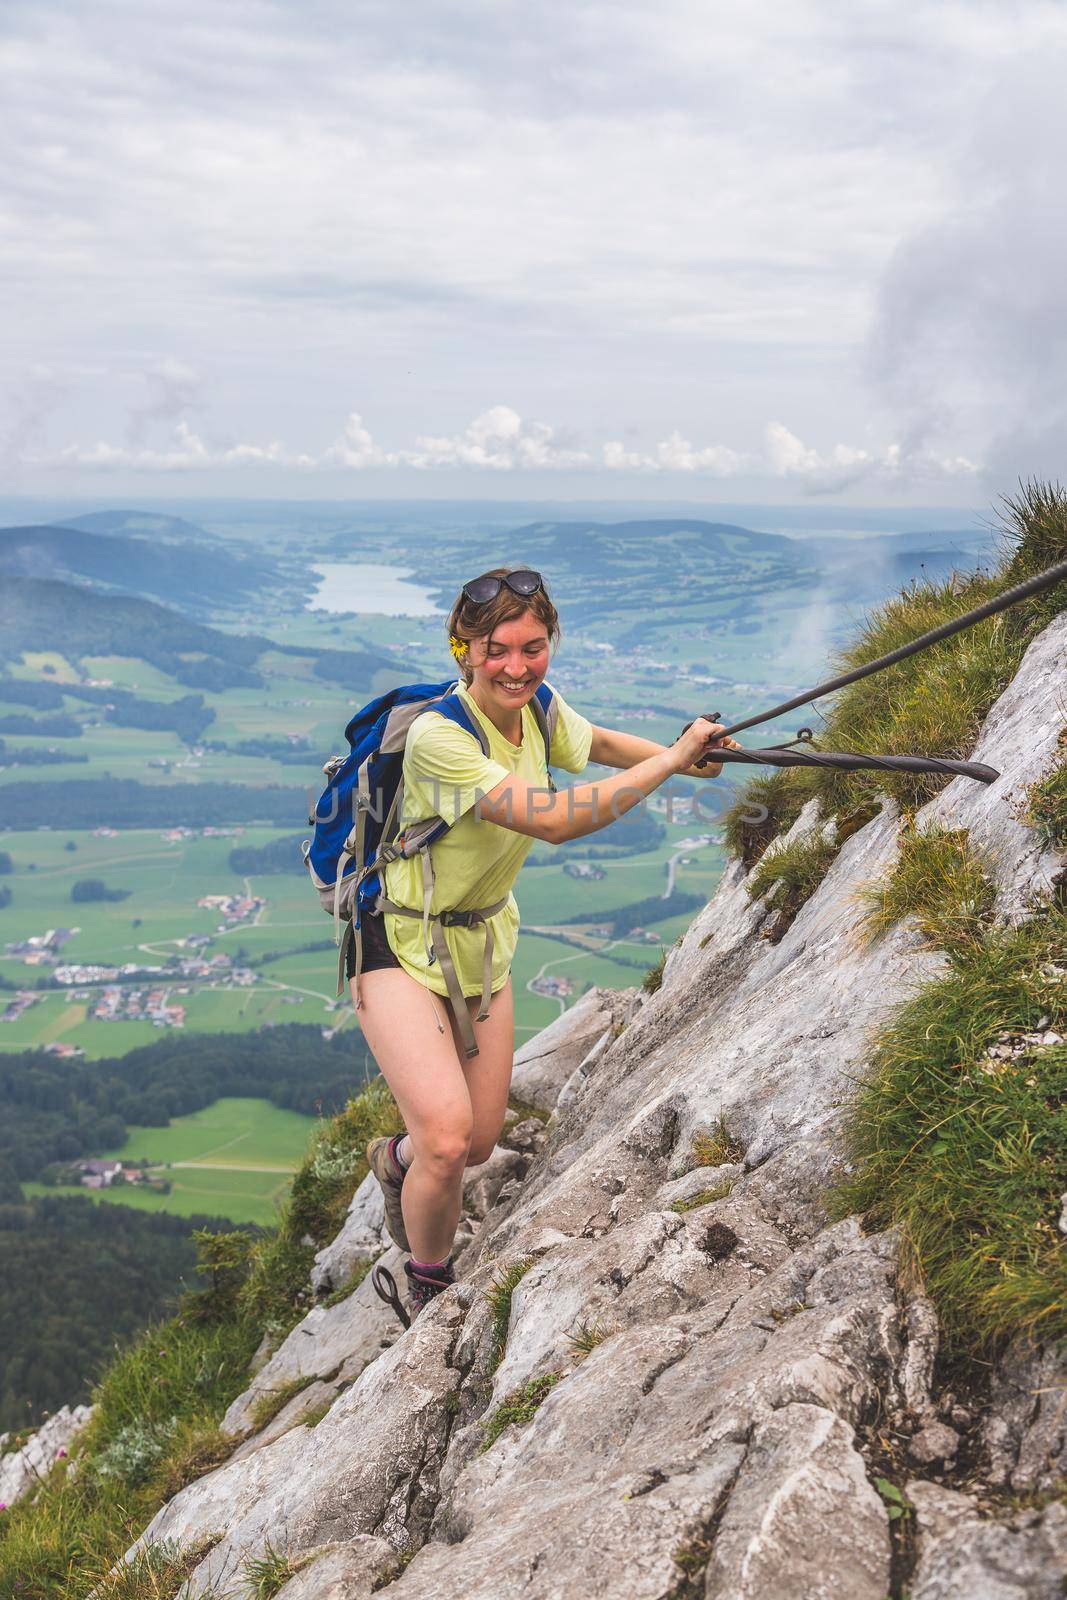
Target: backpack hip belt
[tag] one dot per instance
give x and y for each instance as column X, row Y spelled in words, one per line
column 456, row 997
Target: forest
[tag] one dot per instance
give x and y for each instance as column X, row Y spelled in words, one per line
column 75, row 1280
column 54, row 1109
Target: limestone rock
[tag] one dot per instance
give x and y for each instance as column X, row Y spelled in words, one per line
column 21, row 1469
column 1025, row 1429
column 962, row 1557
column 802, row 1519
column 369, row 1467
column 543, row 1065
column 1020, row 739
column 934, row 1442
column 687, row 1394
column 362, row 1238
column 333, row 1343
column 341, row 1571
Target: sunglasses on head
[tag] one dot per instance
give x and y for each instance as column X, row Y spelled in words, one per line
column 524, row 583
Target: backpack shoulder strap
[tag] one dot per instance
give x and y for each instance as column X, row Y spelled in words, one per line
column 546, row 711
column 452, row 708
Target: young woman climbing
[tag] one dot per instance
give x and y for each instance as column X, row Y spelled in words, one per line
column 502, row 630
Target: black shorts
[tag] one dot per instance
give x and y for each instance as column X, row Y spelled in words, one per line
column 377, row 953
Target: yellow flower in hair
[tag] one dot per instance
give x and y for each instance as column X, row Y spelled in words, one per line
column 458, row 647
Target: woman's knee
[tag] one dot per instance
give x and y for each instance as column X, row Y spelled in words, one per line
column 446, row 1145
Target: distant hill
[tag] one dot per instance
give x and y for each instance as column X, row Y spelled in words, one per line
column 634, row 567
column 186, row 574
column 143, row 524
column 42, row 614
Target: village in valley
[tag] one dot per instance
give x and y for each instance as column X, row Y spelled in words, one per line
column 136, row 991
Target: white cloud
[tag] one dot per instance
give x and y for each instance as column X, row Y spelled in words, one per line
column 970, row 331
column 666, row 214
column 846, row 465
column 500, row 440
column 677, row 454
column 355, row 448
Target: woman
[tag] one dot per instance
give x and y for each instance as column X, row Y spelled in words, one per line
column 501, row 632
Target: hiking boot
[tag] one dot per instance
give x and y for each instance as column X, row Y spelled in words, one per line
column 390, row 1176
column 424, row 1284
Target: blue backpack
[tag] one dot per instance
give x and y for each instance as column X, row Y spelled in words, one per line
column 356, row 818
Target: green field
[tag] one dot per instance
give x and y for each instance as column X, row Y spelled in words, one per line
column 166, row 879
column 233, row 1159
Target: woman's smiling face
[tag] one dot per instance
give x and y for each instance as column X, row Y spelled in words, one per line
column 510, row 663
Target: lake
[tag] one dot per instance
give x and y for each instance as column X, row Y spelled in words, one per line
column 365, row 586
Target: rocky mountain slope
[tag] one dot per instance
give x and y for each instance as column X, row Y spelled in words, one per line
column 666, row 1371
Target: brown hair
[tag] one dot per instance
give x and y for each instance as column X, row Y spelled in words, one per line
column 470, row 621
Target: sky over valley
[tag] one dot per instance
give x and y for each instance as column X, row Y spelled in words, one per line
column 474, row 248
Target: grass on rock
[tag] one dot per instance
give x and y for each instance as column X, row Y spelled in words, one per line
column 271, row 1401
column 156, row 1572
column 519, row 1407
column 716, row 1148
column 966, row 1152
column 265, row 1575
column 585, row 1336
column 1046, row 805
column 499, row 1296
column 940, row 879
column 705, row 1198
column 770, row 804
column 788, row 875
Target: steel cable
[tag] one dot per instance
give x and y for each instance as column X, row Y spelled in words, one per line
column 852, row 762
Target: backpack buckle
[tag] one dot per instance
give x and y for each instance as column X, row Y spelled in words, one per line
column 460, row 919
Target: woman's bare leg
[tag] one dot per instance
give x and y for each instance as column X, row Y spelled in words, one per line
column 488, row 1074
column 420, row 1064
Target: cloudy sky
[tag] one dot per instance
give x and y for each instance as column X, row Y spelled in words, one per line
column 679, row 249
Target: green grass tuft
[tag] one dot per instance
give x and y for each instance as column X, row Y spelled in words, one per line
column 966, row 1153
column 653, row 978
column 940, row 880
column 1046, row 805
column 585, row 1336
column 789, row 875
column 716, row 1148
column 156, row 1572
column 264, row 1575
column 271, row 1401
column 718, row 1192
column 519, row 1407
column 336, row 1164
column 499, row 1296
column 769, row 805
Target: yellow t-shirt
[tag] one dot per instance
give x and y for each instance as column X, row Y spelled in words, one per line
column 475, row 862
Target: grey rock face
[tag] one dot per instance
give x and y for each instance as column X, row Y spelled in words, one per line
column 21, row 1469
column 543, row 1065
column 1020, row 738
column 1025, row 1429
column 783, row 1533
column 332, row 1343
column 962, row 1557
column 369, row 1467
column 341, row 1572
column 362, row 1238
column 683, row 1399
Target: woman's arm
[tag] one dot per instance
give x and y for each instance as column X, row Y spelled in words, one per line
column 586, row 808
column 612, row 748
